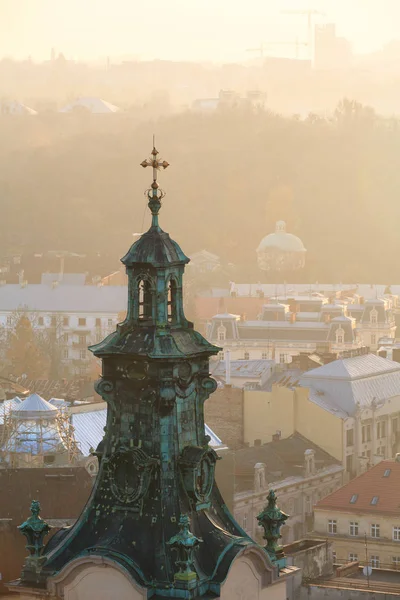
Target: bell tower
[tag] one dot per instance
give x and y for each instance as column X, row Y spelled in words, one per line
column 155, row 512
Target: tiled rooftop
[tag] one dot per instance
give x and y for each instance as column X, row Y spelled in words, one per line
column 375, row 491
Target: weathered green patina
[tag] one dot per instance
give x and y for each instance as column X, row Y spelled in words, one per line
column 185, row 544
column 271, row 520
column 155, row 462
column 35, row 530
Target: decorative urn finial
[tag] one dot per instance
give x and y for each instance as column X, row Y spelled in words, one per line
column 155, row 194
column 35, row 530
column 271, row 520
column 184, row 542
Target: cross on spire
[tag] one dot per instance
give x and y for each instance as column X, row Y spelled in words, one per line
column 155, row 194
column 154, row 162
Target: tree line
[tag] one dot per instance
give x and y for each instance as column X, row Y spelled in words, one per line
column 75, row 184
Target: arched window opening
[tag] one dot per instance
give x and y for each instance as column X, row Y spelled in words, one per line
column 171, row 305
column 144, row 300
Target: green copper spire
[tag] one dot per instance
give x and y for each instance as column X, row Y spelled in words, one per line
column 155, row 509
column 271, row 520
column 155, row 194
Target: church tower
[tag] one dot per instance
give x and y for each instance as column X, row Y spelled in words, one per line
column 155, row 518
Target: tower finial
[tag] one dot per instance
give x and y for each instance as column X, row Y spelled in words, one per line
column 155, row 194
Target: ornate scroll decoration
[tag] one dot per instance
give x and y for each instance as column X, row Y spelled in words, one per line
column 130, row 471
column 197, row 466
column 105, row 388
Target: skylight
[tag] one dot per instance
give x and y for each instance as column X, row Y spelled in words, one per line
column 353, row 499
column 374, row 500
column 387, row 473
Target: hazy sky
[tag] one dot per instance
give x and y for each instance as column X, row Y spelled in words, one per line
column 181, row 29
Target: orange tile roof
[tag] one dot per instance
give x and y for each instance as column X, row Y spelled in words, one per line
column 370, row 484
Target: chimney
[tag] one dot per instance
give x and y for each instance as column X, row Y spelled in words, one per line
column 276, row 436
column 257, row 442
column 383, row 353
column 242, row 318
column 362, row 301
column 228, row 367
column 21, row 277
column 303, row 359
column 396, row 355
column 327, row 318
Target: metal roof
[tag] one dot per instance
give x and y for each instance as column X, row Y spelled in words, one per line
column 35, row 405
column 66, row 278
column 355, row 367
column 7, row 406
column 243, row 368
column 343, row 385
column 89, row 430
column 66, row 299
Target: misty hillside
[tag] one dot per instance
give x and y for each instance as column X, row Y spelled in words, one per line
column 74, row 182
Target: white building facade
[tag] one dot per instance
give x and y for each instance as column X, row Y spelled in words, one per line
column 77, row 315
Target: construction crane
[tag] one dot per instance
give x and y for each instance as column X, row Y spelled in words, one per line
column 309, row 13
column 261, row 49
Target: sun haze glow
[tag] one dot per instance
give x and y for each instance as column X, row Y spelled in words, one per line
column 179, row 29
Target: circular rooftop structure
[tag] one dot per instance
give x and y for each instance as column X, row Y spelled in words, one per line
column 281, row 251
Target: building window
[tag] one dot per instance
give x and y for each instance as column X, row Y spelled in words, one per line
column 53, row 321
column 396, row 562
column 366, row 433
column 65, row 353
column 332, row 526
column 9, row 320
column 353, row 557
column 396, row 533
column 340, row 339
column 82, row 354
column 110, row 322
column 381, row 429
column 349, row 463
column 281, row 358
column 353, row 529
column 334, row 556
column 246, row 356
column 172, row 301
column 375, row 530
column 82, row 340
column 222, row 356
column 353, row 499
column 82, row 322
column 387, row 472
column 373, row 339
column 98, row 322
column 221, row 334
column 375, row 561
column 264, row 356
column 65, row 321
column 350, row 437
column 373, row 316
column 245, row 522
column 374, row 500
column 394, row 425
column 65, row 338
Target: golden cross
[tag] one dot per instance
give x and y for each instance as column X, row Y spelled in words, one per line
column 156, row 163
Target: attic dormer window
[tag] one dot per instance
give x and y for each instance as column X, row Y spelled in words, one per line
column 221, row 333
column 339, row 335
column 373, row 316
column 144, row 300
column 171, row 304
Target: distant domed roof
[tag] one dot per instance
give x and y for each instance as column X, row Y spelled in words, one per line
column 281, row 240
